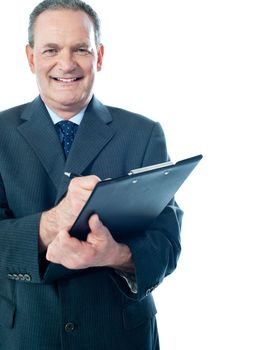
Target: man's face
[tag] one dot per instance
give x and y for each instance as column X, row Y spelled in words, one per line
column 65, row 59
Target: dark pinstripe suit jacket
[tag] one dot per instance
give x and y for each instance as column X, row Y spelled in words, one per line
column 95, row 309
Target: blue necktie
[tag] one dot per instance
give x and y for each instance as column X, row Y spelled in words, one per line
column 67, row 134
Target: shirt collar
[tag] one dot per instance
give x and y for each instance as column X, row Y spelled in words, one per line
column 76, row 119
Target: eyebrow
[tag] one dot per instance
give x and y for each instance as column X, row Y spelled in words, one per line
column 50, row 44
column 82, row 44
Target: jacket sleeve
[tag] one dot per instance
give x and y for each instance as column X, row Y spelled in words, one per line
column 156, row 251
column 18, row 244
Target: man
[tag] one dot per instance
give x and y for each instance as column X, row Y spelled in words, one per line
column 105, row 303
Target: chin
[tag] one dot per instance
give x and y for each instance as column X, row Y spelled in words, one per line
column 66, row 99
column 71, row 104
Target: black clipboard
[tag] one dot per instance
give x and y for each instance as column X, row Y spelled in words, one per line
column 127, row 205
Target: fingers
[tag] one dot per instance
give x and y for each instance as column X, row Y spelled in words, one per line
column 100, row 249
column 87, row 183
column 65, row 213
column 53, row 250
column 82, row 187
column 94, row 223
column 67, row 251
column 79, row 191
column 98, row 230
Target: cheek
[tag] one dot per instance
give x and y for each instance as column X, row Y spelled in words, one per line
column 43, row 67
column 89, row 66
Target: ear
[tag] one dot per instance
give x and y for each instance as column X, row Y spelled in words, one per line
column 30, row 57
column 100, row 52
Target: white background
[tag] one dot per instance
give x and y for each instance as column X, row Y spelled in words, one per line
column 191, row 66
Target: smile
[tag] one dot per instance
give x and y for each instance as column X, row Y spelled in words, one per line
column 66, row 80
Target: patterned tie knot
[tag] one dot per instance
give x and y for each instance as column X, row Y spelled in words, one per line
column 68, row 130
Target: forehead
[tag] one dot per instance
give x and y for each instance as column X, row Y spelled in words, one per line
column 56, row 24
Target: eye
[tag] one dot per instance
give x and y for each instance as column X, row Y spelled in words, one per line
column 50, row 52
column 83, row 51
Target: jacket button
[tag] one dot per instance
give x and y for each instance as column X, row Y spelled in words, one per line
column 10, row 276
column 27, row 277
column 21, row 277
column 69, row 327
column 15, row 276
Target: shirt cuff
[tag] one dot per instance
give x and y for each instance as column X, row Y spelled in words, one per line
column 130, row 280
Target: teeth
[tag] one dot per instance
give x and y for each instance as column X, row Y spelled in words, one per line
column 70, row 80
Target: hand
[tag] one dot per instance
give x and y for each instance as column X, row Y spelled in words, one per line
column 65, row 213
column 100, row 249
column 79, row 191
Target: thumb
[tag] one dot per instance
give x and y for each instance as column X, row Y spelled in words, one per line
column 96, row 225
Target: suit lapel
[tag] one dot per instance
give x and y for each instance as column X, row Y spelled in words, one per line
column 92, row 136
column 39, row 132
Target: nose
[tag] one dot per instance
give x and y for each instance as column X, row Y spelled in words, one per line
column 66, row 62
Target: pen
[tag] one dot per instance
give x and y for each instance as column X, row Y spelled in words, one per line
column 71, row 175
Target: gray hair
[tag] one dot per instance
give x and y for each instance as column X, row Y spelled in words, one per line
column 75, row 5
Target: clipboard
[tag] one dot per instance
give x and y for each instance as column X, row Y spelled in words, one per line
column 128, row 205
